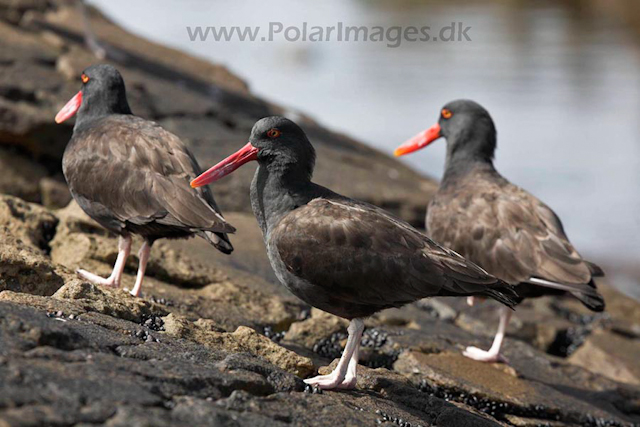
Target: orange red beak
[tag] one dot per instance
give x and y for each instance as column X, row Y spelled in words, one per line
column 419, row 141
column 70, row 108
column 228, row 165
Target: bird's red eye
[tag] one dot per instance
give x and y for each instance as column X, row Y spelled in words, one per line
column 446, row 113
column 84, row 78
column 273, row 133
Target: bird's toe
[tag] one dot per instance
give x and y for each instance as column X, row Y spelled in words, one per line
column 480, row 355
column 324, row 382
column 95, row 279
column 348, row 384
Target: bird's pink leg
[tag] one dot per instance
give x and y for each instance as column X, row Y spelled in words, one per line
column 471, row 301
column 350, row 378
column 115, row 279
column 344, row 375
column 145, row 250
column 493, row 354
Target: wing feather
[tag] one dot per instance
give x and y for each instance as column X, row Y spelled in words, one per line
column 364, row 255
column 506, row 230
column 141, row 173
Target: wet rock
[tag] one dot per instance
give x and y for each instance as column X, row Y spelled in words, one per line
column 243, row 339
column 278, row 378
column 53, row 308
column 393, row 395
column 354, row 409
column 94, row 372
column 611, row 355
column 501, row 390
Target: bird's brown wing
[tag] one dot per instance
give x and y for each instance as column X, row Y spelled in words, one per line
column 363, row 255
column 508, row 232
column 138, row 172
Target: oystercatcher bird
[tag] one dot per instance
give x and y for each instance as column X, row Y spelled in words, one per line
column 132, row 176
column 496, row 224
column 341, row 255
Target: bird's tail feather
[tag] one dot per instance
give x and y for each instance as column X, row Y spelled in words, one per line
column 503, row 293
column 596, row 271
column 219, row 240
column 586, row 293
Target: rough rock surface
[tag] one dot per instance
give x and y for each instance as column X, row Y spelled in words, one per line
column 215, row 340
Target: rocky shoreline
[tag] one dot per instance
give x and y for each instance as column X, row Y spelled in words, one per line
column 215, row 340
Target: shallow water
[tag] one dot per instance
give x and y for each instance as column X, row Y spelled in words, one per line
column 561, row 82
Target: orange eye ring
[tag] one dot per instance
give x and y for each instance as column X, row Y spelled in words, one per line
column 84, row 78
column 273, row 133
column 446, row 113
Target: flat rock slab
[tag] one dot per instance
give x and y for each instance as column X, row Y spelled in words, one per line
column 500, row 390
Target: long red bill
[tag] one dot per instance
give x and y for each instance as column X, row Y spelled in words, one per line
column 70, row 108
column 419, row 141
column 228, row 165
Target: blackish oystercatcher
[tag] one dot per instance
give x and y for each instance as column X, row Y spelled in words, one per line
column 507, row 231
column 132, row 176
column 341, row 255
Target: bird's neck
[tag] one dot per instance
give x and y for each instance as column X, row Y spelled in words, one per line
column 275, row 193
column 465, row 157
column 96, row 107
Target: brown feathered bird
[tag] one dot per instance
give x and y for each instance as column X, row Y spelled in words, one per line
column 507, row 231
column 132, row 176
column 341, row 255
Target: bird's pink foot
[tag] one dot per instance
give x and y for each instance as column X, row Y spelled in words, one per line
column 344, row 375
column 484, row 356
column 349, row 383
column 95, row 279
column 331, row 381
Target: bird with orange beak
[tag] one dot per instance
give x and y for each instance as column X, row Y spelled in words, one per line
column 495, row 224
column 132, row 176
column 337, row 254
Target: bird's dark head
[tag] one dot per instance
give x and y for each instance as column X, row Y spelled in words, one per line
column 467, row 127
column 102, row 93
column 275, row 142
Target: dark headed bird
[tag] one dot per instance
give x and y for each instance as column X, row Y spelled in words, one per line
column 341, row 255
column 132, row 176
column 497, row 225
